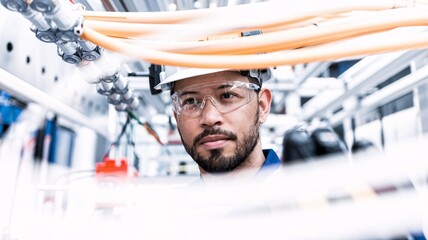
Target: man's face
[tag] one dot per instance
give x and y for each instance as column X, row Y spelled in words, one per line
column 218, row 142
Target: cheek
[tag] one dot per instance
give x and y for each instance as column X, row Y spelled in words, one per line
column 187, row 129
column 250, row 114
column 243, row 120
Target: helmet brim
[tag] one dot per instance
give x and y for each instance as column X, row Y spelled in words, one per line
column 184, row 74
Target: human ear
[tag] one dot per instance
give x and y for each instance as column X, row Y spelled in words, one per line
column 265, row 100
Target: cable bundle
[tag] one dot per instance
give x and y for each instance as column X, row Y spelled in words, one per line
column 293, row 33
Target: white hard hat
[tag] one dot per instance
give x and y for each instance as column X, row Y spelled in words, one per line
column 184, row 73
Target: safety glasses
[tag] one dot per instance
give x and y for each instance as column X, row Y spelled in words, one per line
column 225, row 96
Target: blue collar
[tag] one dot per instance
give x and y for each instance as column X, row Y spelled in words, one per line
column 271, row 159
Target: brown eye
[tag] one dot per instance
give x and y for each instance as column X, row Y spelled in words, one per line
column 227, row 95
column 189, row 101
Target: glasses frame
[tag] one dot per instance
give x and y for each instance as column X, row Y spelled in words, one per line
column 175, row 97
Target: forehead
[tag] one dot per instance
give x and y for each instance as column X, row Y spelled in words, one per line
column 218, row 77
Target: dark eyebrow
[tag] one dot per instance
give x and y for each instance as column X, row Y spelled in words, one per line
column 188, row 92
column 226, row 85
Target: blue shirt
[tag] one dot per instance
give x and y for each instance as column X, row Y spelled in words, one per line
column 271, row 163
column 271, row 159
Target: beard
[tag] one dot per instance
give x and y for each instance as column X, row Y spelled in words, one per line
column 216, row 162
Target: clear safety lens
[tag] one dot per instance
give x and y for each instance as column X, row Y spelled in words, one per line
column 225, row 96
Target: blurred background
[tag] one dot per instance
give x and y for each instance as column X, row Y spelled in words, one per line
column 55, row 127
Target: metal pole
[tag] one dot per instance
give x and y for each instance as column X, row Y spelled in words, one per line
column 28, row 93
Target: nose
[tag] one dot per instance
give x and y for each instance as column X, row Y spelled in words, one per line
column 204, row 101
column 210, row 115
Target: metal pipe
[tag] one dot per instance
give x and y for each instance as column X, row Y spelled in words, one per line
column 68, row 51
column 375, row 72
column 28, row 93
column 15, row 5
column 134, row 104
column 90, row 51
column 37, row 19
column 114, row 99
column 385, row 95
column 120, row 85
column 121, row 107
column 63, row 16
column 127, row 96
column 67, row 47
column 312, row 70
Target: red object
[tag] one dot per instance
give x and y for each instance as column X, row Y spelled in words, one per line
column 117, row 167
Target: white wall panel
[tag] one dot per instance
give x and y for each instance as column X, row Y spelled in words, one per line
column 401, row 126
column 370, row 131
column 38, row 63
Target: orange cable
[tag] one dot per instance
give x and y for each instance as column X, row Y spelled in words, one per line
column 299, row 37
column 348, row 48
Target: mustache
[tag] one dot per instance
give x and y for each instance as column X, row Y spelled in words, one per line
column 214, row 131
